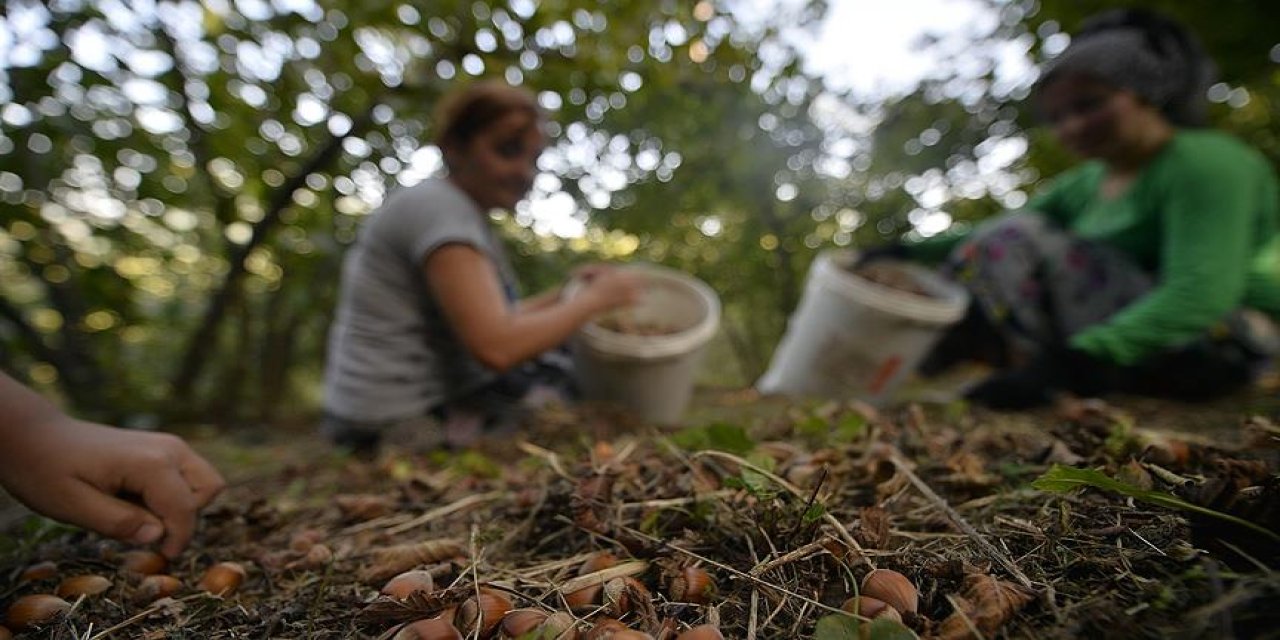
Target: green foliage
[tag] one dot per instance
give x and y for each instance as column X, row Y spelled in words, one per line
column 179, row 197
column 719, row 436
column 1060, row 479
column 841, row 627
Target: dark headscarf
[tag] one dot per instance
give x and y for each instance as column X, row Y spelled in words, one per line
column 1145, row 52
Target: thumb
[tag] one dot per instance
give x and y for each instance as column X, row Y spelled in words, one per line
column 112, row 517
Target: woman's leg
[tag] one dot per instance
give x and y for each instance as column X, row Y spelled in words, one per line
column 1037, row 285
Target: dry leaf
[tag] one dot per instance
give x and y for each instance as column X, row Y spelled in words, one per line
column 987, row 604
column 364, row 506
column 872, row 531
column 392, row 560
column 591, row 502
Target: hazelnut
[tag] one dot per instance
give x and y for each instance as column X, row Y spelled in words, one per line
column 588, row 596
column 519, row 622
column 32, row 611
column 318, row 555
column 223, row 579
column 630, row 634
column 303, row 540
column 693, row 585
column 39, row 571
column 142, row 562
column 623, row 595
column 87, row 585
column 560, row 625
column 892, row 588
column 604, row 629
column 408, row 583
column 429, row 629
column 155, row 587
column 871, row 608
column 703, row 632
column 484, row 611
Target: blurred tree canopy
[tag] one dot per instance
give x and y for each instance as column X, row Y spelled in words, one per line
column 180, row 178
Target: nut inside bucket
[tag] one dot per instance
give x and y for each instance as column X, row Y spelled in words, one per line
column 888, row 274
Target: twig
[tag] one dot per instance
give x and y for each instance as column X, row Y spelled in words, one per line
column 729, row 569
column 677, row 502
column 788, row 557
column 384, row 521
column 958, row 520
column 632, row 568
column 460, row 505
column 549, row 456
column 751, row 621
column 845, row 536
column 154, row 607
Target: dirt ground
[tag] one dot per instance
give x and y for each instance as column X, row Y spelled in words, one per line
column 785, row 508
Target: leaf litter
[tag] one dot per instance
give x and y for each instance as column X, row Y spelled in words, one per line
column 1084, row 522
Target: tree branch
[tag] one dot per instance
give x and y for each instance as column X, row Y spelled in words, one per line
column 193, row 360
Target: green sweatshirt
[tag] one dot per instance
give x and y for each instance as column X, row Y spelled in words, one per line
column 1203, row 217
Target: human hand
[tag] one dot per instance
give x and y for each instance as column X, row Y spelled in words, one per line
column 137, row 486
column 610, row 287
column 588, row 272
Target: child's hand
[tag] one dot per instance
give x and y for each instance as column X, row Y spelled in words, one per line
column 131, row 485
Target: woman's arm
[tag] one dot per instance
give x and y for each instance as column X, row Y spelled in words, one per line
column 466, row 285
column 81, row 473
column 1208, row 206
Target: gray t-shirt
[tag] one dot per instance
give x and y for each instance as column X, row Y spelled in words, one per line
column 392, row 354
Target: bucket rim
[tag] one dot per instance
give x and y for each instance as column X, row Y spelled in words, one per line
column 622, row 346
column 943, row 310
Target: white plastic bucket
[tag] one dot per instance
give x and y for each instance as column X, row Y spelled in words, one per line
column 853, row 338
column 651, row 375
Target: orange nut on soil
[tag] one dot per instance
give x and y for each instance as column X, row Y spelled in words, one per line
column 154, row 587
column 89, row 585
column 408, row 583
column 142, row 562
column 693, row 585
column 32, row 611
column 223, row 579
column 518, row 622
column 39, row 571
column 704, row 632
column 484, row 611
column 430, row 629
column 892, row 588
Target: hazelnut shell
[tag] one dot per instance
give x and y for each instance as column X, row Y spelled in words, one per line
column 32, row 611
column 892, row 588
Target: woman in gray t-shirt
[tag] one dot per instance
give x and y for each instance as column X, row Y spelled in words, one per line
column 428, row 321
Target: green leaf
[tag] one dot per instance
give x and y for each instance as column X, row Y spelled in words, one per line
column 814, row 513
column 851, row 426
column 885, row 629
column 1060, row 479
column 837, row 627
column 719, row 436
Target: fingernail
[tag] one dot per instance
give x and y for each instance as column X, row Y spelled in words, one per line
column 148, row 533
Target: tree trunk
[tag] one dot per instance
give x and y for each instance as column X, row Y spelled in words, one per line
column 192, row 364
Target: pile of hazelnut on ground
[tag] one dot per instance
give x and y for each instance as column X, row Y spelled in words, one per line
column 141, row 578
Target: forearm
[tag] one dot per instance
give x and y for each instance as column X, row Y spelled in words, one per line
column 20, row 409
column 525, row 334
column 540, row 301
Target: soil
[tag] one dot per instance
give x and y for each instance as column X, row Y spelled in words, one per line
column 787, row 506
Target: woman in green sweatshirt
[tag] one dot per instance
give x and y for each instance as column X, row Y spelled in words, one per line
column 1130, row 272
